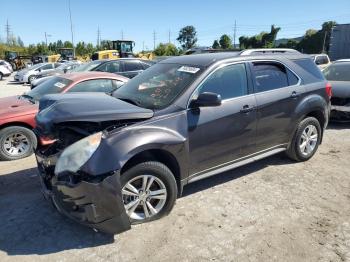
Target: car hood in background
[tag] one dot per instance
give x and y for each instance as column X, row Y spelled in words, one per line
column 15, row 106
column 340, row 89
column 89, row 107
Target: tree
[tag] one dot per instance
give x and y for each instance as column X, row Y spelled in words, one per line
column 216, row 44
column 68, row 44
column 225, row 42
column 262, row 40
column 187, row 37
column 166, row 50
column 291, row 43
column 20, row 42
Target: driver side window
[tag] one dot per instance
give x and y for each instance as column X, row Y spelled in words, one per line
column 229, row 82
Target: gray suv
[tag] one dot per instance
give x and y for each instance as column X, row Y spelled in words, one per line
column 109, row 161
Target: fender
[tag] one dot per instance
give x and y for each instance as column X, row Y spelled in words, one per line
column 116, row 149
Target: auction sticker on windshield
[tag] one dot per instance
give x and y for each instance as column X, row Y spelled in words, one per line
column 188, row 69
column 60, row 85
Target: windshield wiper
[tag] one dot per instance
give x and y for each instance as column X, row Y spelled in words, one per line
column 30, row 98
column 131, row 101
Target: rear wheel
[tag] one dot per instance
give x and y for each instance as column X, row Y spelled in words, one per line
column 1, row 76
column 149, row 191
column 306, row 140
column 16, row 142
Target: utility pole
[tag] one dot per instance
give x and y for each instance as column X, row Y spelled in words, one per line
column 234, row 35
column 8, row 31
column 46, row 36
column 154, row 40
column 169, row 41
column 98, row 37
column 324, row 42
column 143, row 46
column 122, row 33
column 71, row 27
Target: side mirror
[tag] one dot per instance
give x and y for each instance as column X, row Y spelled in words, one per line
column 39, row 69
column 207, row 99
column 65, row 70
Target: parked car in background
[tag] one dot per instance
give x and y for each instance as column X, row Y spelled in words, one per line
column 7, row 65
column 128, row 67
column 321, row 60
column 338, row 73
column 27, row 75
column 4, row 71
column 62, row 69
column 17, row 113
column 112, row 161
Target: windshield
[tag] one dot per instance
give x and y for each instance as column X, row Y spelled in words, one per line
column 53, row 85
column 158, row 86
column 337, row 72
column 87, row 67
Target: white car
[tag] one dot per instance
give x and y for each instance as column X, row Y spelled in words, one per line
column 7, row 65
column 4, row 71
column 27, row 75
column 321, row 60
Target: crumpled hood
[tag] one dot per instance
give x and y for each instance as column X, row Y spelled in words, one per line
column 89, row 107
column 15, row 106
column 340, row 89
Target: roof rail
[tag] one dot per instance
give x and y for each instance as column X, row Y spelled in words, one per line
column 269, row 51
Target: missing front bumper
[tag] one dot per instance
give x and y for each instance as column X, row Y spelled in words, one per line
column 98, row 205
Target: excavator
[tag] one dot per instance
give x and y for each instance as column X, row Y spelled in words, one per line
column 19, row 61
column 119, row 49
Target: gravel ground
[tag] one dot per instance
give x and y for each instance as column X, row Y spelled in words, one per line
column 271, row 210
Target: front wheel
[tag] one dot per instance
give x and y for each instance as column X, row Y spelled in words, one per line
column 16, row 142
column 149, row 191
column 306, row 140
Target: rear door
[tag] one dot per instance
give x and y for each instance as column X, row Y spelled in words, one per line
column 278, row 92
column 218, row 135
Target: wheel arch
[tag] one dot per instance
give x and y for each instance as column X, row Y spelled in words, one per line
column 160, row 155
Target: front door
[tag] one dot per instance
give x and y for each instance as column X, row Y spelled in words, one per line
column 218, row 135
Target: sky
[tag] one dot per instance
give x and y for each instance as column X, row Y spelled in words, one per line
column 139, row 20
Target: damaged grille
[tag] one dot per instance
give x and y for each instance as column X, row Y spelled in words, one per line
column 337, row 101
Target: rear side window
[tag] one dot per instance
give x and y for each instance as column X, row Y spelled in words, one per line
column 229, row 82
column 111, row 67
column 132, row 66
column 309, row 66
column 46, row 67
column 321, row 60
column 269, row 76
column 95, row 85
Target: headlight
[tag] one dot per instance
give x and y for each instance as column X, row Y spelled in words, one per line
column 77, row 154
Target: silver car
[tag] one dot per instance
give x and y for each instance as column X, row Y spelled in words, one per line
column 27, row 75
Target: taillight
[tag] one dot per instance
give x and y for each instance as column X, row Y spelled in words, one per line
column 329, row 90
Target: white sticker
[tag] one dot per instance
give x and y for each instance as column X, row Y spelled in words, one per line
column 188, row 69
column 60, row 85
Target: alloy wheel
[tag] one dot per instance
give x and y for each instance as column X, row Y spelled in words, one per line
column 144, row 196
column 308, row 140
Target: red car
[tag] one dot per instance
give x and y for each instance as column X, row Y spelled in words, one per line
column 17, row 140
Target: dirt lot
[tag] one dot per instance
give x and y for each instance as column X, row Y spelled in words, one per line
column 272, row 210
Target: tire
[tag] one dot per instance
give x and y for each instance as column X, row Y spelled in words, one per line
column 134, row 176
column 25, row 141
column 1, row 76
column 295, row 150
column 31, row 78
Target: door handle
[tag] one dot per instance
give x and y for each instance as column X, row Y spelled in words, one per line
column 294, row 94
column 246, row 109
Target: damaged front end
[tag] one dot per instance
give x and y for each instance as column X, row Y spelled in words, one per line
column 94, row 200
column 68, row 145
column 340, row 109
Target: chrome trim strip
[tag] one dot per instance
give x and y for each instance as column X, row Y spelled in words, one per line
column 236, row 163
